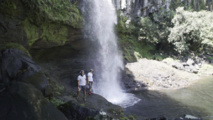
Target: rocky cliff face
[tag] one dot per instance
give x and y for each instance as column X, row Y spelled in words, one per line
column 140, row 8
column 22, row 89
column 39, row 24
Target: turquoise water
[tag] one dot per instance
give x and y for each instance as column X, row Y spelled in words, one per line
column 196, row 100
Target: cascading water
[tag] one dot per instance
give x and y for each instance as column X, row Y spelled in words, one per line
column 100, row 19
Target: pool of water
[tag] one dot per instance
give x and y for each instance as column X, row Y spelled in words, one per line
column 196, row 100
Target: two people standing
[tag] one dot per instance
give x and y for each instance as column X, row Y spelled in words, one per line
column 83, row 81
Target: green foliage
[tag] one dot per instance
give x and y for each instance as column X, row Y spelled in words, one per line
column 132, row 117
column 123, row 118
column 140, row 37
column 60, row 11
column 57, row 101
column 128, row 54
column 8, row 7
column 83, row 105
column 125, row 25
column 90, row 118
column 133, row 48
column 210, row 58
column 202, row 5
column 61, row 88
column 192, row 31
column 161, row 32
column 193, row 5
column 175, row 3
column 55, row 88
column 148, row 31
column 155, row 28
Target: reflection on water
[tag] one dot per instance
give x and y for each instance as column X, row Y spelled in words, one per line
column 196, row 100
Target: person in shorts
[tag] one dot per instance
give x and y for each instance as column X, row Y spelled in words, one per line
column 90, row 80
column 82, row 84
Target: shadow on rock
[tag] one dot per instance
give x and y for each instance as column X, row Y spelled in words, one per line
column 18, row 66
column 21, row 87
column 21, row 101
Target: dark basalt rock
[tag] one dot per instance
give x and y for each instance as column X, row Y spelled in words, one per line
column 160, row 118
column 22, row 101
column 15, row 65
column 21, row 83
column 74, row 111
column 95, row 108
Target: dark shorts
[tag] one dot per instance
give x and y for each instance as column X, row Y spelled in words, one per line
column 83, row 88
column 90, row 85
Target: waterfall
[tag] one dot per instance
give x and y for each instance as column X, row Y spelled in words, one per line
column 99, row 22
column 123, row 4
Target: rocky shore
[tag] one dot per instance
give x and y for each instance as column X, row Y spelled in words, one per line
column 155, row 75
column 195, row 65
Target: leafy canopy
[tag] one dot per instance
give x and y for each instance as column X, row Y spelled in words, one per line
column 192, row 31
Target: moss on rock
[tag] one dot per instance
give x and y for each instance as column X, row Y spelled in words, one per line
column 38, row 23
column 11, row 45
column 23, row 101
column 38, row 80
column 50, row 34
column 60, row 11
column 56, row 101
column 11, row 8
column 32, row 32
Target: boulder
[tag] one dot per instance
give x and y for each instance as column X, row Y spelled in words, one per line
column 21, row 87
column 191, row 117
column 74, row 111
column 129, row 83
column 16, row 65
column 190, row 62
column 188, row 117
column 177, row 65
column 158, row 118
column 22, row 101
column 95, row 108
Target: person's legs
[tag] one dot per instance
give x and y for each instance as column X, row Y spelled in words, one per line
column 90, row 87
column 84, row 90
column 84, row 95
column 79, row 90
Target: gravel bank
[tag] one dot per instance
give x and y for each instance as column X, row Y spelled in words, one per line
column 158, row 75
